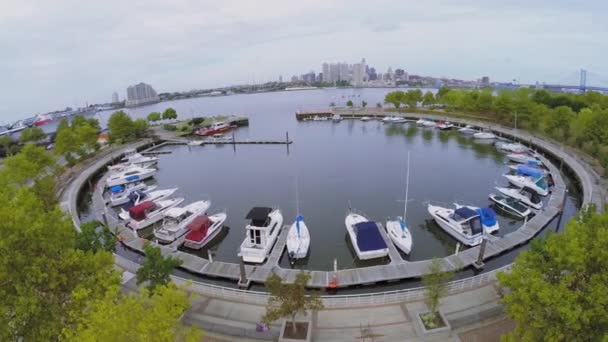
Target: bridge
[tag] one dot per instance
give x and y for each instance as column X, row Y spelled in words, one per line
column 583, row 85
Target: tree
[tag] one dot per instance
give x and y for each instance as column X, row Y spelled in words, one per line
column 95, row 237
column 154, row 116
column 412, row 97
column 441, row 92
column 363, row 104
column 5, row 142
column 140, row 127
column 428, row 98
column 557, row 288
column 289, row 300
column 396, row 98
column 349, row 103
column 169, row 114
column 139, row 317
column 434, row 287
column 156, row 269
column 121, row 127
column 29, row 164
column 32, row 134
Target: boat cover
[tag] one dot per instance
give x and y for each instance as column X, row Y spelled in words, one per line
column 116, row 189
column 258, row 216
column 368, row 237
column 299, row 219
column 534, row 162
column 138, row 212
column 526, row 170
column 488, row 216
column 132, row 178
column 198, row 228
column 465, row 212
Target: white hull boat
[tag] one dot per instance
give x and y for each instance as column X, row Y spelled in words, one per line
column 487, row 216
column 148, row 213
column 511, row 147
column 365, row 237
column 195, row 143
column 527, row 196
column 177, row 219
column 537, row 184
column 463, row 224
column 138, row 197
column 131, row 174
column 484, row 135
column 204, row 229
column 365, row 118
column 468, row 130
column 120, row 197
column 524, row 158
column 510, row 205
column 261, row 234
column 397, row 229
column 336, row 118
column 298, row 239
column 428, row 123
column 133, row 157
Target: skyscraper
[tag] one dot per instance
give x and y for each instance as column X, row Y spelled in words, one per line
column 280, row 78
column 359, row 75
column 115, row 97
column 326, row 74
column 141, row 94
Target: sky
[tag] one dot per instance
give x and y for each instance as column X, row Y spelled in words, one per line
column 62, row 53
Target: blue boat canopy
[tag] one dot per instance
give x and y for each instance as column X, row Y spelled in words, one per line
column 465, row 212
column 368, row 237
column 488, row 216
column 526, row 170
column 116, row 189
column 534, row 162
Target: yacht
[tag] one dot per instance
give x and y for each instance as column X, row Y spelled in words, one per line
column 468, row 130
column 204, row 229
column 132, row 157
column 487, row 216
column 428, row 123
column 130, row 174
column 298, row 239
column 261, row 234
column 444, row 125
column 510, row 147
column 137, row 197
column 510, row 205
column 525, row 195
column 177, row 219
column 365, row 237
column 463, row 224
column 538, row 184
column 484, row 135
column 214, row 128
column 365, row 118
column 195, row 143
column 527, row 170
column 150, row 212
column 119, row 194
column 397, row 229
column 336, row 118
column 524, row 158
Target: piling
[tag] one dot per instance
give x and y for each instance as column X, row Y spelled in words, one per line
column 482, row 249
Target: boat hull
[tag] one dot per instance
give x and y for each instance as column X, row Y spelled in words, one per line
column 351, row 220
column 403, row 241
column 448, row 228
column 298, row 245
column 215, row 229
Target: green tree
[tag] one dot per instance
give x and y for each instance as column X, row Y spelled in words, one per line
column 154, row 116
column 5, row 142
column 428, row 99
column 441, row 92
column 29, row 164
column 95, row 237
column 289, row 300
column 156, row 269
column 396, row 98
column 434, row 287
column 140, row 127
column 32, row 134
column 121, row 127
column 169, row 114
column 349, row 103
column 412, row 97
column 138, row 317
column 557, row 288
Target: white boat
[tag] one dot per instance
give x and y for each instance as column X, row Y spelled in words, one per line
column 510, row 205
column 487, row 216
column 150, row 212
column 400, row 120
column 511, row 147
column 298, row 236
column 463, row 224
column 420, row 122
column 468, row 130
column 538, row 184
column 336, row 118
column 365, row 237
column 195, row 143
column 119, row 194
column 365, row 118
column 204, row 229
column 525, row 195
column 524, row 158
column 261, row 234
column 130, row 174
column 484, row 135
column 138, row 197
column 428, row 123
column 132, row 157
column 397, row 229
column 320, row 118
column 444, row 125
column 176, row 219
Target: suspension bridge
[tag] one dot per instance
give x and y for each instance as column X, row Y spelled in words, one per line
column 585, row 77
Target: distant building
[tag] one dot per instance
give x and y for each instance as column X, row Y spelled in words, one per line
column 141, row 94
column 294, row 78
column 371, row 74
column 280, row 78
column 320, row 77
column 359, row 75
column 115, row 98
column 326, row 73
column 485, row 81
column 309, row 77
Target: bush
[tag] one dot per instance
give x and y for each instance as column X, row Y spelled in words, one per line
column 170, row 128
column 196, row 121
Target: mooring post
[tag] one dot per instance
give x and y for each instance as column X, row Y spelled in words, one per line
column 482, row 249
column 457, row 248
column 287, row 137
column 243, row 282
column 233, row 141
column 210, row 256
column 561, row 211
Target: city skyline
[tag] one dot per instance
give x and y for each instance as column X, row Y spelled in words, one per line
column 193, row 45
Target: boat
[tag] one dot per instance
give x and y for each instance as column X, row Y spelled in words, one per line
column 444, row 125
column 129, row 174
column 365, row 118
column 176, row 220
column 298, row 236
column 132, row 157
column 510, row 205
column 261, row 233
column 365, row 237
column 428, row 123
column 538, row 184
column 420, row 122
column 42, row 119
column 150, row 212
column 214, row 128
column 467, row 130
column 397, row 229
column 511, row 147
column 525, row 195
column 137, row 197
column 195, row 143
column 203, row 229
column 119, row 194
column 320, row 118
column 336, row 118
column 524, row 158
column 527, row 170
column 484, row 135
column 463, row 224
column 397, row 119
column 389, row 119
column 487, row 216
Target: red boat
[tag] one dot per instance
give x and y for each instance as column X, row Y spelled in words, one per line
column 42, row 120
column 215, row 128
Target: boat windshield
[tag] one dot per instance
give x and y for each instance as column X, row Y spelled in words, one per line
column 541, row 183
column 515, row 204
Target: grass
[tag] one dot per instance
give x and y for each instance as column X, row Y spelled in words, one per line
column 185, row 128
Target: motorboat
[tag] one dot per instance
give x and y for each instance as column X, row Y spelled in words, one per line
column 484, row 135
column 463, row 224
column 487, row 216
column 398, row 119
column 428, row 123
column 320, row 118
column 365, row 237
column 203, row 229
column 525, row 195
column 42, row 119
column 468, row 130
column 538, row 184
column 136, row 197
column 444, row 125
column 214, row 128
column 119, row 194
column 176, row 220
column 336, row 118
column 129, row 174
column 527, row 170
column 524, row 158
column 195, row 143
column 511, row 147
column 132, row 157
column 298, row 239
column 261, row 233
column 365, row 118
column 510, row 205
column 150, row 212
column 397, row 229
column 420, row 122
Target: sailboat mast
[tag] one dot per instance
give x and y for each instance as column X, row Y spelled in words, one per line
column 407, row 185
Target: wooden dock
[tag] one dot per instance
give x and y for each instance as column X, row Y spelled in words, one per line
column 279, row 247
column 393, row 253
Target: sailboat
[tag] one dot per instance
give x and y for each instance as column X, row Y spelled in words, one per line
column 298, row 237
column 397, row 229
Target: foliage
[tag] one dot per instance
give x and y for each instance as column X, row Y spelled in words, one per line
column 349, row 103
column 77, row 138
column 197, row 121
column 32, row 134
column 378, row 105
column 428, row 98
column 124, row 129
column 342, row 83
column 169, row 127
column 156, row 269
column 332, row 104
column 95, row 237
column 169, row 114
column 289, row 300
column 140, row 127
column 154, row 116
column 396, row 98
column 557, row 289
column 434, row 284
column 5, row 142
column 140, row 317
column 412, row 97
column 29, row 164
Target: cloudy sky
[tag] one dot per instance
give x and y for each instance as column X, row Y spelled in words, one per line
column 67, row 52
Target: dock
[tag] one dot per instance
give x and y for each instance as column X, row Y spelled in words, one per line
column 393, row 253
column 279, row 247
